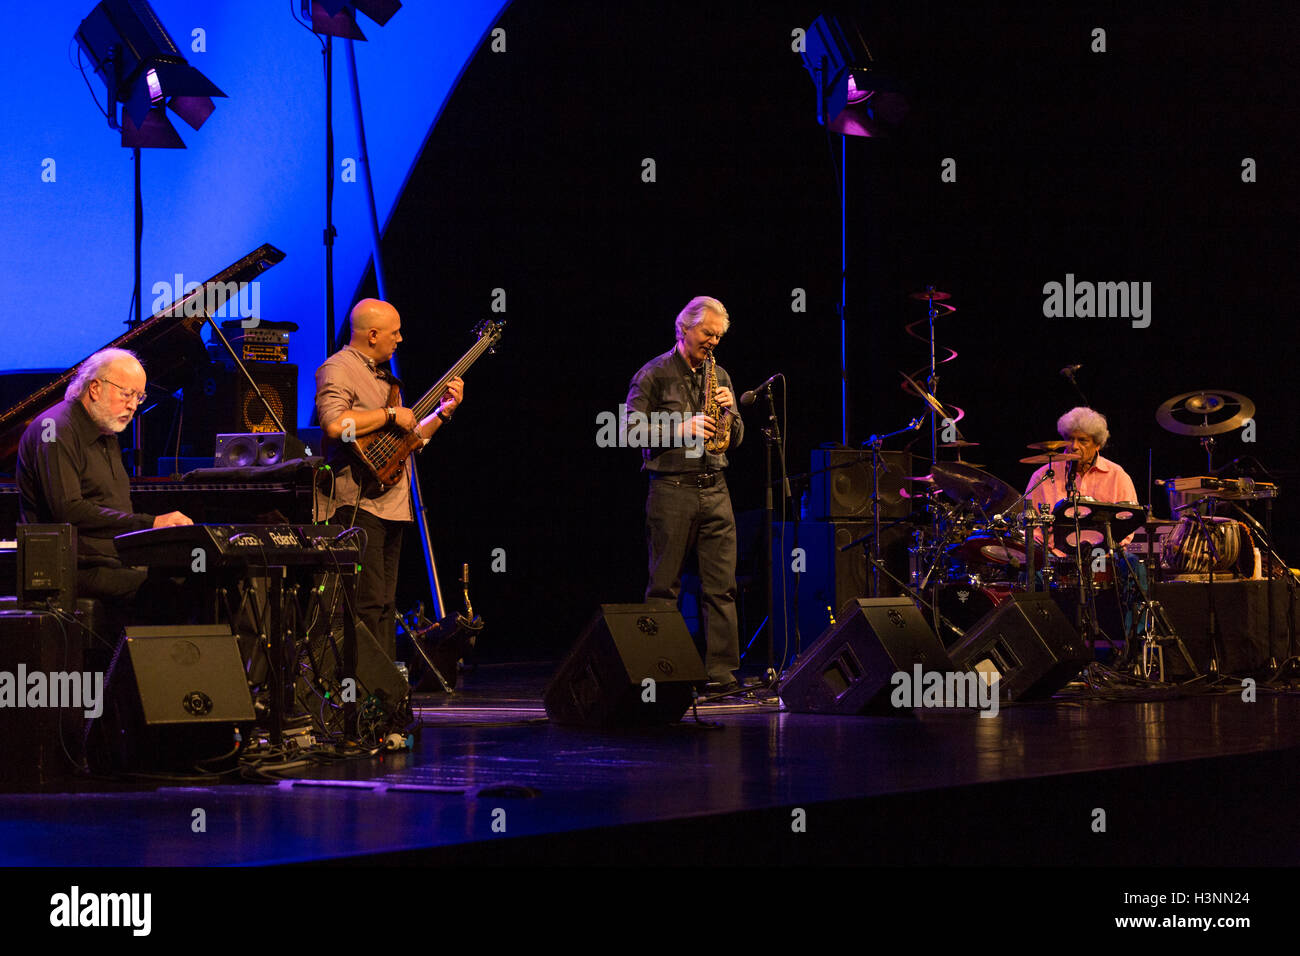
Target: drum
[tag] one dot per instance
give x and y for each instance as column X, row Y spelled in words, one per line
column 994, row 556
column 1187, row 552
column 965, row 605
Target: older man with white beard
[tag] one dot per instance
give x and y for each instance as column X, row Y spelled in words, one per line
column 70, row 471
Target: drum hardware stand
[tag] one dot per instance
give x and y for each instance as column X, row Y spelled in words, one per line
column 1030, row 518
column 874, row 443
column 1159, row 631
column 1212, row 559
column 1086, row 615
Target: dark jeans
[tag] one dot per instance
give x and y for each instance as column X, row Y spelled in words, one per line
column 377, row 583
column 680, row 518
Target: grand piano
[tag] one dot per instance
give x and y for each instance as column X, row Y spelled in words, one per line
column 171, row 346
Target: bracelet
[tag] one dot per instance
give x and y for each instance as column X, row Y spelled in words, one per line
column 445, row 418
column 391, row 412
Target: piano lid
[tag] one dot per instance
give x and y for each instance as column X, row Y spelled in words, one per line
column 169, row 344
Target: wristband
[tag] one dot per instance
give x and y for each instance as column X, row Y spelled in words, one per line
column 391, row 412
column 445, row 418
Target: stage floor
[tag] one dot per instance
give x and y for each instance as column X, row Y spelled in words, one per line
column 1203, row 779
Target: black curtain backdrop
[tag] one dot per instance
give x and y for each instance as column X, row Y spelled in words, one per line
column 1117, row 166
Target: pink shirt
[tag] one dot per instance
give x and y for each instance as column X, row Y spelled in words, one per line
column 1105, row 481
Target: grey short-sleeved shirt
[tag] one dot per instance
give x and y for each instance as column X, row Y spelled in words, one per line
column 348, row 380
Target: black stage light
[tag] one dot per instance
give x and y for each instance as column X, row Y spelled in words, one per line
column 338, row 18
column 144, row 70
column 854, row 97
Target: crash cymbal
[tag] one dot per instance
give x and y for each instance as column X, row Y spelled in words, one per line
column 926, row 478
column 930, row 295
column 964, row 483
column 1210, row 411
column 1045, row 459
column 1048, row 445
column 921, row 393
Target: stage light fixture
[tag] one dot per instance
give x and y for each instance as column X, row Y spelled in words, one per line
column 854, row 97
column 338, row 18
column 143, row 69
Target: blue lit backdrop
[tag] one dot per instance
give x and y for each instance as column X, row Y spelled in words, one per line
column 254, row 173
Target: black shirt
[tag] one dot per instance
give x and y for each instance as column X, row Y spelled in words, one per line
column 71, row 473
column 668, row 384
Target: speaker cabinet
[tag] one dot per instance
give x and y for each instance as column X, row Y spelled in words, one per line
column 850, row 667
column 173, row 697
column 220, row 400
column 256, row 450
column 601, row 683
column 35, row 738
column 841, row 484
column 1029, row 643
column 47, row 566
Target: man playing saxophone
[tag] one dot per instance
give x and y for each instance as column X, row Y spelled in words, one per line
column 688, row 506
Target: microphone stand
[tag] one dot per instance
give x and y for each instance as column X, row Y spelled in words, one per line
column 772, row 439
column 874, row 443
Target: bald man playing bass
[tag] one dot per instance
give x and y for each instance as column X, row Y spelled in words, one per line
column 352, row 388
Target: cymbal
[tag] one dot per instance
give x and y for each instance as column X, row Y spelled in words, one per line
column 920, row 392
column 930, row 295
column 964, row 483
column 1050, row 457
column 1048, row 445
column 926, row 478
column 1179, row 413
column 960, row 443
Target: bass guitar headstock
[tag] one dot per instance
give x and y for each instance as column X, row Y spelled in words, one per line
column 492, row 330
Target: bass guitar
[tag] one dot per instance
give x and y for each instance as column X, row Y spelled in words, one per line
column 382, row 454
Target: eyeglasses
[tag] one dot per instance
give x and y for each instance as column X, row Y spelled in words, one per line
column 126, row 394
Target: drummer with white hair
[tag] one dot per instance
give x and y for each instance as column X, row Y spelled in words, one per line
column 1095, row 476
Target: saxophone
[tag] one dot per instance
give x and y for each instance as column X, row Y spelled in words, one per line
column 720, row 414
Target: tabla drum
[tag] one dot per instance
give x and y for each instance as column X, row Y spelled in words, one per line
column 1187, row 552
column 962, row 606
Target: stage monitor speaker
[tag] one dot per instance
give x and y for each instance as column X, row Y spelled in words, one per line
column 603, row 681
column 42, row 743
column 1028, row 643
column 172, row 700
column 841, row 483
column 47, row 566
column 849, row 669
column 256, row 450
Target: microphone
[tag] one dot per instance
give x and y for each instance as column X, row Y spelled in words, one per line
column 748, row 397
column 1069, row 371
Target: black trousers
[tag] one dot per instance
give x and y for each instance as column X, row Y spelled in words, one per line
column 377, row 583
column 681, row 517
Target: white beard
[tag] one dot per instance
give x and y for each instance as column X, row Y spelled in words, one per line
column 101, row 414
